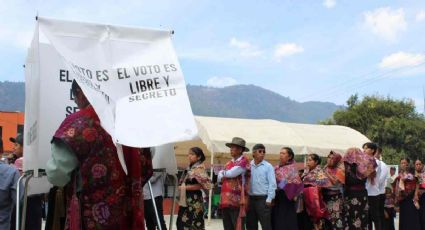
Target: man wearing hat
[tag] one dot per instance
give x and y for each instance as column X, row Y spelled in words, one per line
column 9, row 176
column 233, row 179
column 261, row 190
column 34, row 202
column 18, row 151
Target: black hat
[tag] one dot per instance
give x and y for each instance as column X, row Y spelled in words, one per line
column 18, row 139
column 258, row 146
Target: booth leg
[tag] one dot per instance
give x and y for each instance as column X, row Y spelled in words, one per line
column 24, row 208
column 154, row 206
column 173, row 205
column 18, row 199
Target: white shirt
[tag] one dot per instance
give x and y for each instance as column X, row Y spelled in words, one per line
column 379, row 181
column 157, row 181
column 233, row 172
column 385, row 174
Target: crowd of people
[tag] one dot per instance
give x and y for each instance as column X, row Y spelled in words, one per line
column 352, row 190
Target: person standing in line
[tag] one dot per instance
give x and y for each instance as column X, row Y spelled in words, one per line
column 406, row 192
column 9, row 176
column 289, row 186
column 261, row 190
column 34, row 212
column 194, row 181
column 234, row 186
column 315, row 179
column 420, row 174
column 382, row 180
column 333, row 196
column 358, row 167
column 419, row 167
column 373, row 189
column 157, row 182
column 389, row 210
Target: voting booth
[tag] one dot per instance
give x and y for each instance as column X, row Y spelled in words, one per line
column 131, row 77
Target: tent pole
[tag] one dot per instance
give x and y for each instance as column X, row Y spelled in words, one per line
column 210, row 192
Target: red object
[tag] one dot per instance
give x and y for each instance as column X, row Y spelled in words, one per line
column 110, row 199
column 74, row 213
column 314, row 204
column 231, row 187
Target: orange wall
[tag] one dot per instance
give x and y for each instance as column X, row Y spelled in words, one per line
column 9, row 122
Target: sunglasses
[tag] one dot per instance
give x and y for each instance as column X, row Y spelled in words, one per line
column 260, row 151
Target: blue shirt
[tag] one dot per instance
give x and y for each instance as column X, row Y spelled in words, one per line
column 263, row 180
column 8, row 180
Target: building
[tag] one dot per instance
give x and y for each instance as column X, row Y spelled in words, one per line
column 11, row 123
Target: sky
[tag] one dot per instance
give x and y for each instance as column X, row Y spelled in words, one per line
column 310, row 50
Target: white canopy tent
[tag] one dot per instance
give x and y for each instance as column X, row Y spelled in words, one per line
column 302, row 138
column 214, row 132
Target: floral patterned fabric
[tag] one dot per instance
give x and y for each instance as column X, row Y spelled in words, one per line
column 356, row 212
column 316, row 177
column 109, row 198
column 232, row 187
column 288, row 179
column 365, row 164
column 192, row 216
column 198, row 172
column 335, row 207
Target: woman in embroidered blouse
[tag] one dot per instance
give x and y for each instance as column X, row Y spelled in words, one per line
column 333, row 195
column 406, row 192
column 195, row 179
column 420, row 174
column 315, row 176
column 289, row 186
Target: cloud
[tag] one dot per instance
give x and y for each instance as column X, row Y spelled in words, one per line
column 287, row 49
column 401, row 59
column 386, row 23
column 329, row 3
column 221, row 82
column 246, row 49
column 420, row 16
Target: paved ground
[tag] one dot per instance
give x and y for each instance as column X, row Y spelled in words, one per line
column 216, row 224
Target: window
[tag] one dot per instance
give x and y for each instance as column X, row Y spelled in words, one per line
column 20, row 129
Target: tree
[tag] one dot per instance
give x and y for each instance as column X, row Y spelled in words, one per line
column 393, row 124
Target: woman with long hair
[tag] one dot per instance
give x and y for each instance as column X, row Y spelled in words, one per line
column 289, row 186
column 420, row 174
column 195, row 179
column 333, row 196
column 358, row 167
column 314, row 179
column 406, row 192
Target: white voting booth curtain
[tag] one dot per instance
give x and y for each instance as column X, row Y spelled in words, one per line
column 131, row 76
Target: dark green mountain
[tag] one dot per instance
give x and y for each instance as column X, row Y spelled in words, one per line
column 250, row 101
column 239, row 101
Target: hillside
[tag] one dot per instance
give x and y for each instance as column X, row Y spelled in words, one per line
column 239, row 101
